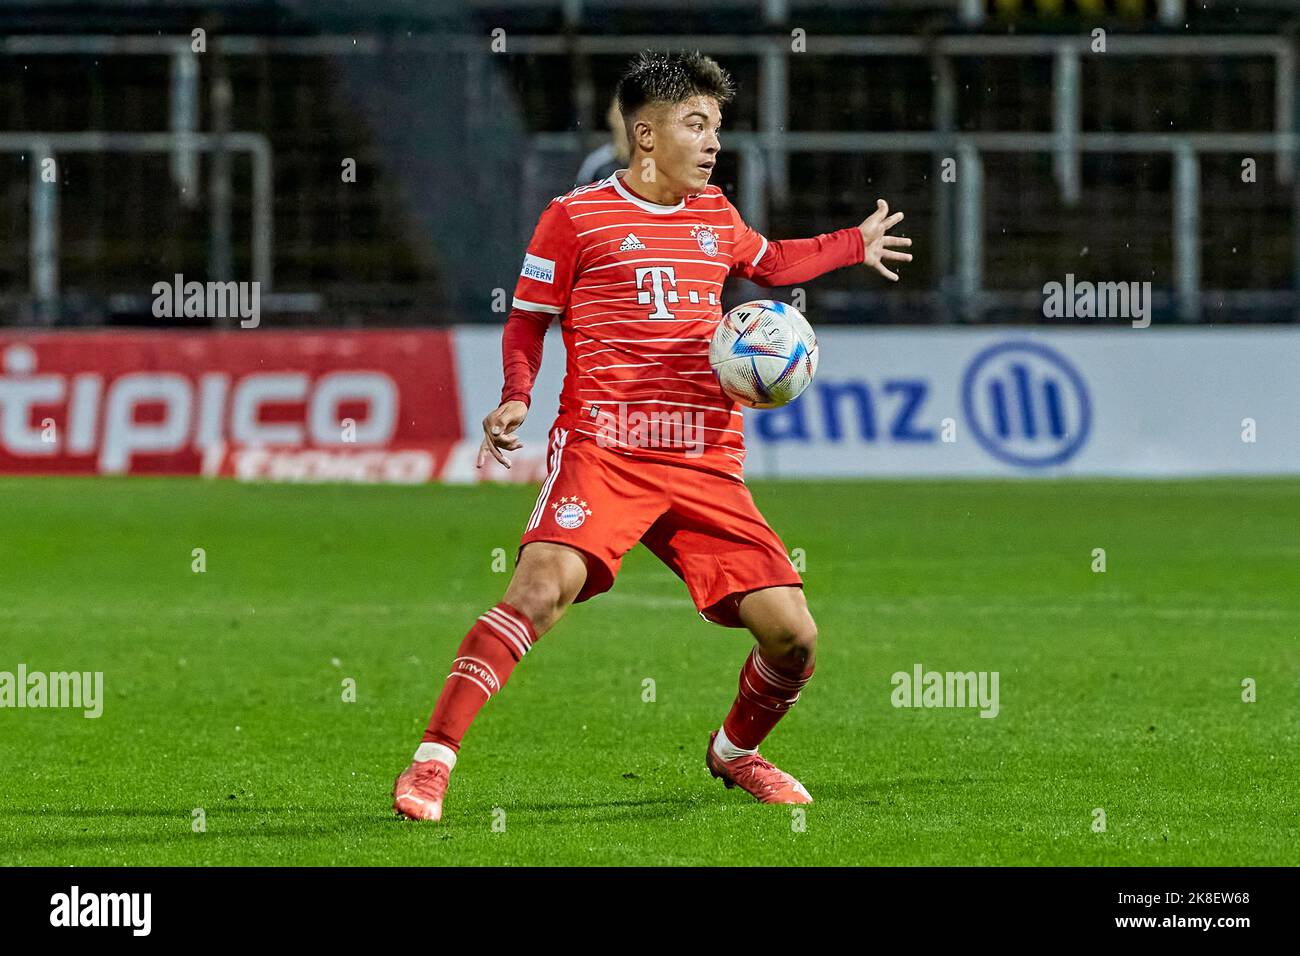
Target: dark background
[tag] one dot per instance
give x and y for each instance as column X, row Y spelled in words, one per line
column 454, row 160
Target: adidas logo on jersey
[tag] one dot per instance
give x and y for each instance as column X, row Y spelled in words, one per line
column 630, row 243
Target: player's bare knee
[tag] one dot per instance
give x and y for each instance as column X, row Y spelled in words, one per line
column 802, row 643
column 538, row 598
column 545, row 584
column 791, row 642
column 541, row 592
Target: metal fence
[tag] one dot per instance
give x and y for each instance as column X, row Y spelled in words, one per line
column 958, row 230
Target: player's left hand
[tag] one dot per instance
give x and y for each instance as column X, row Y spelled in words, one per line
column 880, row 247
column 499, row 432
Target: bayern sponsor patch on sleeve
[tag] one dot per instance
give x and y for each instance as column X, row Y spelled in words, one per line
column 535, row 267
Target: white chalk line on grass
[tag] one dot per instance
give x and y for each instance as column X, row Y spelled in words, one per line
column 939, row 606
column 956, row 606
column 243, row 611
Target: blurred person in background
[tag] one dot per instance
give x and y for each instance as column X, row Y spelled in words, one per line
column 603, row 162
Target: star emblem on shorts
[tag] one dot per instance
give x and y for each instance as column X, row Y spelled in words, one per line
column 566, row 499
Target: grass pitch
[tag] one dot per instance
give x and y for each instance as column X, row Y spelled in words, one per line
column 224, row 689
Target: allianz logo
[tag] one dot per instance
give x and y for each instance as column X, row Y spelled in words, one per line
column 1023, row 402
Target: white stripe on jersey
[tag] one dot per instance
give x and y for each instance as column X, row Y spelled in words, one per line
column 708, row 317
column 645, row 237
column 536, row 306
column 626, row 354
column 618, row 341
column 617, row 206
column 619, row 201
column 581, row 190
column 638, row 225
column 672, row 355
column 598, row 368
column 614, row 252
column 628, row 262
column 602, row 285
column 629, row 299
column 639, row 379
column 588, row 355
column 626, row 298
column 591, row 325
column 606, row 285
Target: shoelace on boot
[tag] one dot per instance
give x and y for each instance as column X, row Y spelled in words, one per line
column 773, row 781
column 426, row 770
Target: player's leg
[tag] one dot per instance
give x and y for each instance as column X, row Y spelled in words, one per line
column 546, row 580
column 781, row 623
column 738, row 574
column 592, row 508
column 775, row 671
column 771, row 680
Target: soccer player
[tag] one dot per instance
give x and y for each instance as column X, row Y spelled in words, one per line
column 634, row 265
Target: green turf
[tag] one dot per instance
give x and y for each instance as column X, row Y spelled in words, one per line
column 1119, row 690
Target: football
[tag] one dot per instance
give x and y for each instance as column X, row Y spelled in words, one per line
column 764, row 353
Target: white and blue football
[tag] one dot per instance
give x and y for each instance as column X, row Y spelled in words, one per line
column 764, row 353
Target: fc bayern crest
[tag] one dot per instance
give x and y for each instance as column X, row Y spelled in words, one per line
column 570, row 512
column 707, row 240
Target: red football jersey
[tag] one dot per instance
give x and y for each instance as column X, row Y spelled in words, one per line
column 638, row 287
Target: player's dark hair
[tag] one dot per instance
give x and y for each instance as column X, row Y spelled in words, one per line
column 654, row 77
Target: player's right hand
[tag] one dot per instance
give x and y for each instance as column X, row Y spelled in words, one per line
column 880, row 247
column 499, row 432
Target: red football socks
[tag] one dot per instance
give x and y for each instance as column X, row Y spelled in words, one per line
column 502, row 636
column 497, row 642
column 766, row 693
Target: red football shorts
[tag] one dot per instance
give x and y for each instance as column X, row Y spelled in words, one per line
column 704, row 526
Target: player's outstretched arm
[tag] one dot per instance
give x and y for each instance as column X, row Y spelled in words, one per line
column 499, row 432
column 792, row 261
column 880, row 248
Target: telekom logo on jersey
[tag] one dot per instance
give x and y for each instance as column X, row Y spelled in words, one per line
column 661, row 278
column 661, row 295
